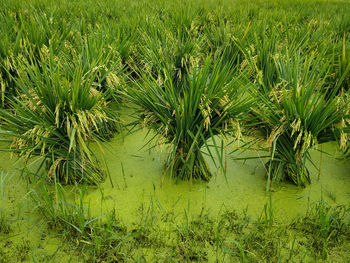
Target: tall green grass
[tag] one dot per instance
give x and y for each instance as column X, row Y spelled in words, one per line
column 210, row 102
column 297, row 109
column 58, row 110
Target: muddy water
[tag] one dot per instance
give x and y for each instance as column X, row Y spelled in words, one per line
column 138, row 178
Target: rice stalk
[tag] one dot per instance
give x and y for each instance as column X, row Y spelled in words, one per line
column 209, row 103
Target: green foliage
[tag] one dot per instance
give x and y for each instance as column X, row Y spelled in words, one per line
column 210, row 102
column 168, row 236
column 294, row 113
column 170, row 55
column 327, row 226
column 63, row 66
column 56, row 113
column 74, row 219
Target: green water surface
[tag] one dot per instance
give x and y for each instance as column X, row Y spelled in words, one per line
column 138, row 179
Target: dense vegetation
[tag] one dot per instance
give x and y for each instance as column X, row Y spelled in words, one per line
column 276, row 72
column 63, row 64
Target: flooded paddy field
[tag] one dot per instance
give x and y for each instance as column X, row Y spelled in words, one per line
column 156, row 208
column 175, row 131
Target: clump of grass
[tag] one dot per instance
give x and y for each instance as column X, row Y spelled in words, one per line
column 200, row 229
column 294, row 114
column 193, row 235
column 326, row 225
column 54, row 116
column 210, row 102
column 71, row 218
column 101, row 238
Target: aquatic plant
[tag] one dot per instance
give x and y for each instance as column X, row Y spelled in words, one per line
column 341, row 66
column 54, row 116
column 92, row 54
column 177, row 52
column 294, row 114
column 209, row 103
column 89, row 40
column 73, row 218
column 326, row 225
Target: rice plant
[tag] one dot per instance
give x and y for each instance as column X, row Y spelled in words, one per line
column 9, row 49
column 220, row 40
column 92, row 54
column 121, row 37
column 341, row 70
column 178, row 52
column 54, row 116
column 294, row 114
column 209, row 103
column 23, row 31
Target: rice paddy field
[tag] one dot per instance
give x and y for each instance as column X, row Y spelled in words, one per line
column 175, row 131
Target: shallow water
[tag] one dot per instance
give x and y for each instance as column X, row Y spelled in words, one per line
column 243, row 187
column 139, row 180
column 28, row 228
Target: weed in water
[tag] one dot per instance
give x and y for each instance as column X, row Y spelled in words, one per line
column 325, row 226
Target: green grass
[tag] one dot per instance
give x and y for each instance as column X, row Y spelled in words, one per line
column 56, row 113
column 166, row 236
column 209, row 102
column 296, row 110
